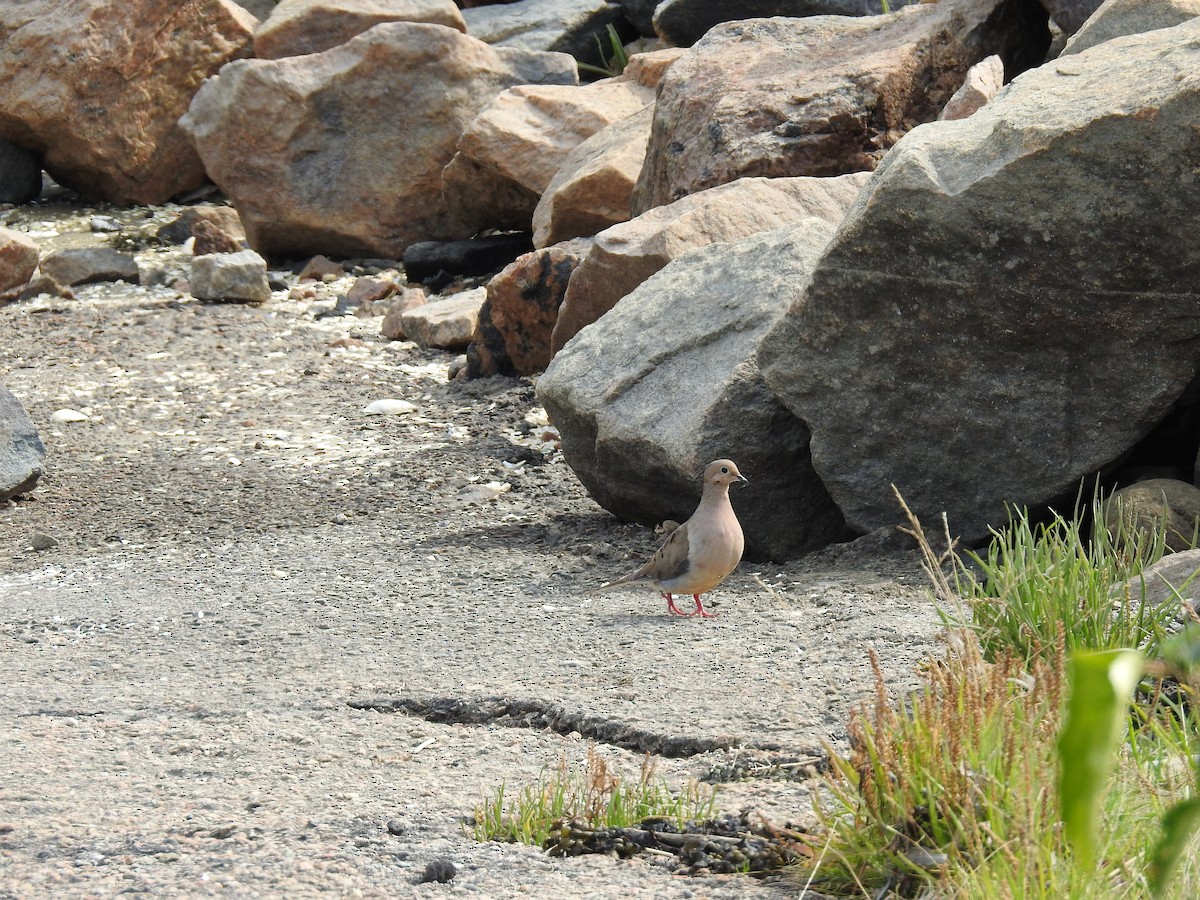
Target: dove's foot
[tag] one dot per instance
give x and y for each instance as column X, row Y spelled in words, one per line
column 700, row 610
column 672, row 608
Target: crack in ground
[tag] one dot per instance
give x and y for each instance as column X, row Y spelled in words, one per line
column 543, row 715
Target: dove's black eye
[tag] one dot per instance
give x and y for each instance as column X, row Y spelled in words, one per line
column 724, row 470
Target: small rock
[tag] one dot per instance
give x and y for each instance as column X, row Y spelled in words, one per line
column 396, row 827
column 392, row 328
column 87, row 265
column 231, row 276
column 105, row 224
column 223, row 832
column 39, row 542
column 448, row 323
column 440, row 870
column 209, row 237
column 389, row 407
column 63, row 416
column 318, row 267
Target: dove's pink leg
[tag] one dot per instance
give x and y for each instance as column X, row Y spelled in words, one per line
column 672, row 608
column 700, row 610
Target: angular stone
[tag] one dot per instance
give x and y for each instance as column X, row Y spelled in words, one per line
column 87, row 265
column 510, row 153
column 982, row 83
column 1143, row 510
column 240, row 276
column 1117, row 18
column 18, row 258
column 211, row 238
column 449, row 323
column 978, row 341
column 820, row 96
column 683, row 22
column 561, row 26
column 625, row 255
column 517, row 321
column 310, row 171
column 224, row 218
column 592, row 189
column 299, row 27
column 97, row 88
column 20, row 174
column 392, row 326
column 666, row 382
column 22, row 456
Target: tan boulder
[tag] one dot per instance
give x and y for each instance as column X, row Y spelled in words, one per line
column 823, row 95
column 1117, row 18
column 592, row 189
column 982, row 83
column 299, row 27
column 517, row 321
column 342, row 152
column 97, row 88
column 447, row 323
column 509, row 154
column 18, row 259
column 625, row 255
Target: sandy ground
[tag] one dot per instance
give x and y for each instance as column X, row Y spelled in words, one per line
column 218, row 677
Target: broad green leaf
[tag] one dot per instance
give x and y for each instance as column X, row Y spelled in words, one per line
column 1097, row 710
column 1180, row 821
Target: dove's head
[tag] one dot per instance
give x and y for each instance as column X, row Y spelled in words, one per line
column 723, row 472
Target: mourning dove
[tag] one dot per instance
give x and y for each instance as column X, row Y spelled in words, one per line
column 701, row 552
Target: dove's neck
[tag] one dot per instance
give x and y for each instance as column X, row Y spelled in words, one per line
column 714, row 495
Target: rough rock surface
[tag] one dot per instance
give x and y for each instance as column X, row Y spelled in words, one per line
column 22, row 456
column 310, row 173
column 96, row 88
column 240, row 276
column 562, row 26
column 977, row 342
column 592, row 189
column 20, row 174
column 683, row 22
column 626, row 254
column 509, row 154
column 819, row 96
column 666, row 382
column 1116, row 18
column 450, row 323
column 183, row 227
column 84, row 265
column 982, row 83
column 18, row 258
column 517, row 321
column 297, row 27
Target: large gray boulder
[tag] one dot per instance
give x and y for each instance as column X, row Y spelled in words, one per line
column 819, row 96
column 342, row 152
column 1015, row 300
column 96, row 88
column 666, row 382
column 1117, row 18
column 22, row 455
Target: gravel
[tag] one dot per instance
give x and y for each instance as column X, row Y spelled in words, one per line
column 261, row 642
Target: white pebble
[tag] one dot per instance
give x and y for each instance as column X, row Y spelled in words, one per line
column 62, row 416
column 389, row 407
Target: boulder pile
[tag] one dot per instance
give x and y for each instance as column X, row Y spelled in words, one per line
column 945, row 247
